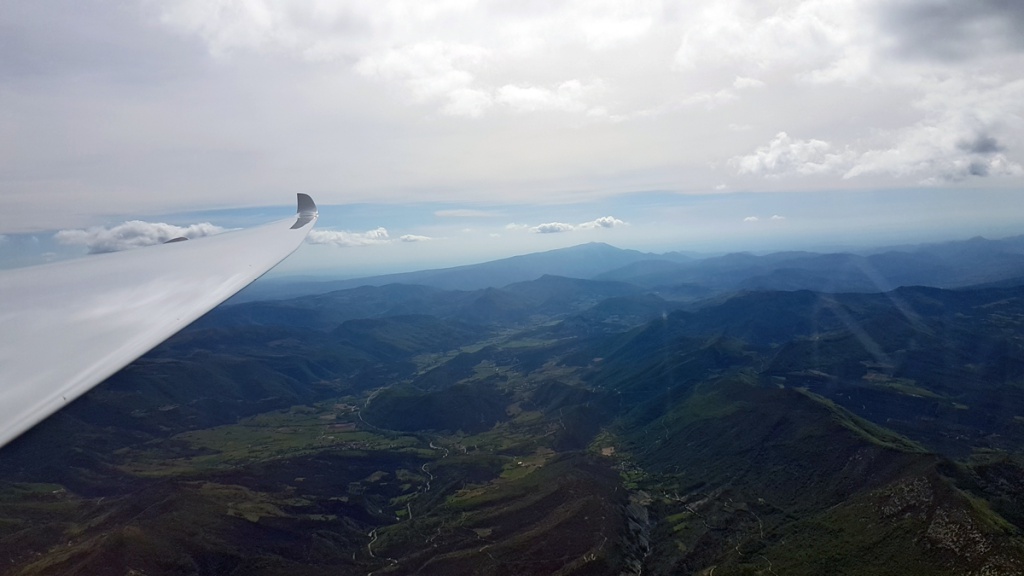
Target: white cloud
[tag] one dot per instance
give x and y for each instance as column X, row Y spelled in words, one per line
column 444, row 53
column 603, row 222
column 434, row 71
column 132, row 234
column 741, row 83
column 804, row 36
column 569, row 96
column 553, row 228
column 557, row 227
column 514, row 226
column 414, row 238
column 777, row 217
column 576, row 99
column 784, row 155
column 961, row 135
column 751, row 219
column 348, row 239
column 605, row 25
column 315, row 31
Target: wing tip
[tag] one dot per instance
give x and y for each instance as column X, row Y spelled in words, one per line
column 306, row 212
column 307, row 207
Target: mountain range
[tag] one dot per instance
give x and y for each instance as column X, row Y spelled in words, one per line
column 654, row 415
column 946, row 265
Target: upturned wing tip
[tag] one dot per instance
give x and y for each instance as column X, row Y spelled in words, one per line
column 306, row 212
column 306, row 205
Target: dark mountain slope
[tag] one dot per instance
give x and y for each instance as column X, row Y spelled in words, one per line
column 471, row 408
column 559, row 519
column 762, row 476
column 937, row 365
column 948, row 265
column 325, row 311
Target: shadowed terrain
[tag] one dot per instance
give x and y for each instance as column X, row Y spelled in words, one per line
column 552, row 426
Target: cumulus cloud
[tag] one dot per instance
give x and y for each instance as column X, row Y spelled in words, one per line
column 557, row 227
column 959, row 137
column 553, row 228
column 442, row 72
column 442, row 53
column 603, row 222
column 777, row 217
column 400, row 40
column 930, row 153
column 751, row 219
column 963, row 132
column 348, row 239
column 131, row 234
column 414, row 238
column 785, row 155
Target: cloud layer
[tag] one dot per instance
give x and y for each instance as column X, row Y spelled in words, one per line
column 948, row 68
column 132, row 234
column 348, row 239
column 558, row 227
column 193, row 104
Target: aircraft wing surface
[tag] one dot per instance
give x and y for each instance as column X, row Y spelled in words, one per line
column 67, row 326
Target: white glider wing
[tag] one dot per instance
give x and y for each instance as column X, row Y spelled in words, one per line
column 67, row 326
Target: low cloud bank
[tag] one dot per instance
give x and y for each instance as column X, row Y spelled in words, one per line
column 347, row 239
column 132, row 234
column 558, row 227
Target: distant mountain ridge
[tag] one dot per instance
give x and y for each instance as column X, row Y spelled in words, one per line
column 955, row 264
column 582, row 261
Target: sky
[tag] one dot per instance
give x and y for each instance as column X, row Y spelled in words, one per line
column 456, row 131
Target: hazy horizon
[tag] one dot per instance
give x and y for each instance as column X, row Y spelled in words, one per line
column 399, row 238
column 432, row 134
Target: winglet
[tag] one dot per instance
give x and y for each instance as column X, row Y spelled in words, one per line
column 306, row 212
column 306, row 205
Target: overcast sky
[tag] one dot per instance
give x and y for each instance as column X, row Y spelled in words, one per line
column 455, row 130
